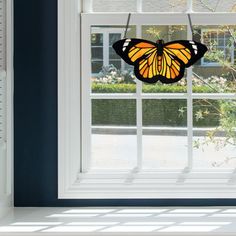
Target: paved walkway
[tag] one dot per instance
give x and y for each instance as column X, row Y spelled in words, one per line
column 119, row 152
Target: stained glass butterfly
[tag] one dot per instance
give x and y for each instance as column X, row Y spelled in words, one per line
column 161, row 61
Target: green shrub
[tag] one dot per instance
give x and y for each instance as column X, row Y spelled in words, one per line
column 156, row 112
column 157, row 88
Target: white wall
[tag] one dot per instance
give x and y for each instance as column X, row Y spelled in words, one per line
column 6, row 106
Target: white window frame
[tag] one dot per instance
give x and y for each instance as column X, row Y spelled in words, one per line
column 73, row 132
column 214, row 64
column 105, row 32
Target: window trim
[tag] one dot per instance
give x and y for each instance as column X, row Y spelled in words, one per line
column 73, row 185
column 68, row 96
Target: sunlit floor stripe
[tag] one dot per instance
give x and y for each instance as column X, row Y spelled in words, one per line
column 93, row 211
column 93, row 223
column 181, row 215
column 72, row 215
column 206, row 223
column 189, row 229
column 229, row 211
column 126, row 215
column 62, row 229
column 149, row 211
column 131, row 229
column 37, row 223
column 223, row 215
column 149, row 223
column 20, row 229
column 194, row 210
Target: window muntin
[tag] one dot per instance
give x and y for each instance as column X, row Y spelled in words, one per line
column 114, row 59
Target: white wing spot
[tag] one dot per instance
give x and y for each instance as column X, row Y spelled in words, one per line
column 126, row 43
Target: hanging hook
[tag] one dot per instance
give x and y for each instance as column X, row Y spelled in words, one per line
column 127, row 25
column 190, row 24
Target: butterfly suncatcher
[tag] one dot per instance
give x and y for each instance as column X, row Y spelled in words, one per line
column 161, row 61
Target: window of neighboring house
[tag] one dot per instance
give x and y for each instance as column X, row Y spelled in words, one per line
column 101, row 48
column 219, row 42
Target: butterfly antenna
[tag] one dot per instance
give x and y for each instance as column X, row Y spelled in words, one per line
column 191, row 25
column 127, row 25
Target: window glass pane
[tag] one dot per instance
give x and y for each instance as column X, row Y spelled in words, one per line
column 214, row 134
column 167, row 33
column 221, row 42
column 113, row 38
column 164, row 134
column 96, row 66
column 96, row 39
column 114, row 134
column 112, row 54
column 214, row 6
column 108, row 112
column 114, row 59
column 114, row 5
column 97, row 53
column 215, row 72
column 115, row 63
column 110, row 74
column 164, row 6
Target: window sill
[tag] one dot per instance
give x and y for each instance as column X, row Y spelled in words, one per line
column 138, row 185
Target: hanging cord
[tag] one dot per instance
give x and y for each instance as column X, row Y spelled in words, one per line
column 127, row 25
column 191, row 25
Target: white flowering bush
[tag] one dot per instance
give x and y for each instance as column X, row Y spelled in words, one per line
column 218, row 84
column 111, row 75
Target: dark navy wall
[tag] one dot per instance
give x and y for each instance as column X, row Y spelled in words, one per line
column 35, row 110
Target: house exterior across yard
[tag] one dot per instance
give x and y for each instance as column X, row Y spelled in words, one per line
column 215, row 37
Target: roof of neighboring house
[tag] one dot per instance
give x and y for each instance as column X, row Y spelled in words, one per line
column 164, row 6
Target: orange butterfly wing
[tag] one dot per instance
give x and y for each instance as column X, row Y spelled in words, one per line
column 187, row 52
column 132, row 50
column 167, row 65
column 165, row 68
